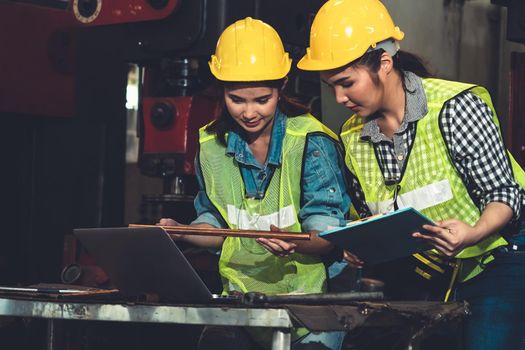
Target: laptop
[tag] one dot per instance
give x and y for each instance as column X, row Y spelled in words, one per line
column 143, row 261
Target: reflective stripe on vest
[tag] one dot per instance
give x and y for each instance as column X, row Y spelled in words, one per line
column 420, row 198
column 285, row 217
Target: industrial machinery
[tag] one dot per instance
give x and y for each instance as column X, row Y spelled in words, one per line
column 172, row 41
column 62, row 100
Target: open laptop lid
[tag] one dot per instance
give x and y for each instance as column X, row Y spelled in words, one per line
column 144, row 260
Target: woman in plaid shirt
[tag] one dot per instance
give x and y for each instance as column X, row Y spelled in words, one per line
column 434, row 145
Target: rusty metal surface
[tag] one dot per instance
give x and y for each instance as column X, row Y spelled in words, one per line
column 415, row 314
column 416, row 317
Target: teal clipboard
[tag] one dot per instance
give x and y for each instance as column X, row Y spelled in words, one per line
column 383, row 237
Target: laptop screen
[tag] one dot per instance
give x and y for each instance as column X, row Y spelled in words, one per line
column 144, row 261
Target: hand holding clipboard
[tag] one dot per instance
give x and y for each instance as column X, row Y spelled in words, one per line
column 381, row 238
column 389, row 241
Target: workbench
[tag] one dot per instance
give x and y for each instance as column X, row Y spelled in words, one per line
column 280, row 318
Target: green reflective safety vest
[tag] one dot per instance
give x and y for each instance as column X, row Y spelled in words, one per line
column 244, row 264
column 430, row 183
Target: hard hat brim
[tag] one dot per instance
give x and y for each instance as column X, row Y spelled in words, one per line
column 244, row 76
column 309, row 64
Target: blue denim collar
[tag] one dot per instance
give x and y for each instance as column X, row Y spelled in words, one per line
column 238, row 147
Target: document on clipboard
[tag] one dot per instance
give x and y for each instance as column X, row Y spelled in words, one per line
column 383, row 237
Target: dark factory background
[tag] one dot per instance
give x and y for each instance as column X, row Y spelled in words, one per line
column 65, row 66
column 63, row 105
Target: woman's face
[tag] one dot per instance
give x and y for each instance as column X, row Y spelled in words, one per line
column 356, row 89
column 252, row 106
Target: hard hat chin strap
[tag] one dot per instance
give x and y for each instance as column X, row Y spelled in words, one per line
column 390, row 45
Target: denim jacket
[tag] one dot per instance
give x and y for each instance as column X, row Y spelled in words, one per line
column 326, row 200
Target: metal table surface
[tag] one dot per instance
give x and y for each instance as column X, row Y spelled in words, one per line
column 417, row 316
column 224, row 315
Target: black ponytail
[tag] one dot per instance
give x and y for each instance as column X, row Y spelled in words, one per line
column 409, row 62
column 403, row 62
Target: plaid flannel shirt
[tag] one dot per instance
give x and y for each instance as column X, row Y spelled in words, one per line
column 472, row 138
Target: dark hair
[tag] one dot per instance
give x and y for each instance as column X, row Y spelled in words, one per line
column 224, row 123
column 403, row 62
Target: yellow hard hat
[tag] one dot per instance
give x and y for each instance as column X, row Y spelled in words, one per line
column 343, row 30
column 249, row 50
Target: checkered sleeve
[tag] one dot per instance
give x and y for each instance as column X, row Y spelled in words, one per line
column 478, row 152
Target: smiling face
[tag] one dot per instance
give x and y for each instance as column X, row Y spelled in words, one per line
column 356, row 88
column 252, row 106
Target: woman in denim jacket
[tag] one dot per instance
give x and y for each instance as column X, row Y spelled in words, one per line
column 265, row 164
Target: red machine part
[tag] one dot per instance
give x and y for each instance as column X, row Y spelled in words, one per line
column 179, row 133
column 37, row 60
column 103, row 12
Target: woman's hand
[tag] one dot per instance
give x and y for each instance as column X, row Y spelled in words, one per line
column 450, row 236
column 168, row 222
column 171, row 222
column 353, row 260
column 277, row 246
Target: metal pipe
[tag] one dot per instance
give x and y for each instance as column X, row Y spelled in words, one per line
column 205, row 231
column 253, row 298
